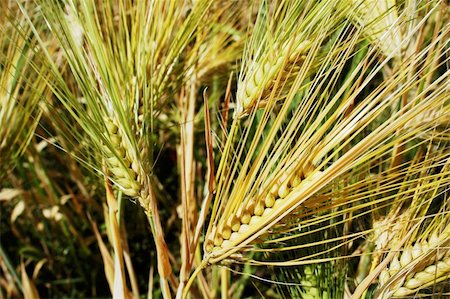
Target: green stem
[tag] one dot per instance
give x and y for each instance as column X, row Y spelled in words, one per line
column 10, row 267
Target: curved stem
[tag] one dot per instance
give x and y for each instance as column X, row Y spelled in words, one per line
column 192, row 278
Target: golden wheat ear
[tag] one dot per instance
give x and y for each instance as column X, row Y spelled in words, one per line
column 418, row 266
column 279, row 49
column 262, row 74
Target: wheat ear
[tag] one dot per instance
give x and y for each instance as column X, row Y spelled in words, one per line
column 263, row 73
column 128, row 173
column 253, row 212
column 311, row 285
column 125, row 171
column 435, row 269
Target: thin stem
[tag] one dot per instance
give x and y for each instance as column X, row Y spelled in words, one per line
column 164, row 268
column 10, row 268
column 193, row 276
column 224, row 283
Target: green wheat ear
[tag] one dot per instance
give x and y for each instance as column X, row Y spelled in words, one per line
column 311, row 284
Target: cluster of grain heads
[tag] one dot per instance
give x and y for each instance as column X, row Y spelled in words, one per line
column 257, row 211
column 264, row 71
column 418, row 266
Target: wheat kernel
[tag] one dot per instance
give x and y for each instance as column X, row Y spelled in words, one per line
column 120, row 151
column 283, row 191
column 267, row 212
column 406, row 257
column 384, row 277
column 227, row 244
column 269, row 201
column 112, row 160
column 127, row 163
column 402, row 291
column 277, row 203
column 416, row 251
column 115, row 139
column 235, row 224
column 395, row 266
column 442, row 266
column 259, row 209
column 124, row 183
column 130, row 192
column 226, row 232
column 251, row 206
column 111, row 127
column 431, row 269
column 434, row 240
column 259, row 76
column 251, row 90
column 234, row 236
column 413, row 283
column 295, row 181
column 425, row 246
column 254, row 220
column 218, row 240
column 423, row 276
column 245, row 218
column 274, row 189
column 246, row 102
column 303, row 46
column 119, row 171
column 243, row 228
column 135, row 166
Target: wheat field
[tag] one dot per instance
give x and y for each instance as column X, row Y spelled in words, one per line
column 224, row 149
